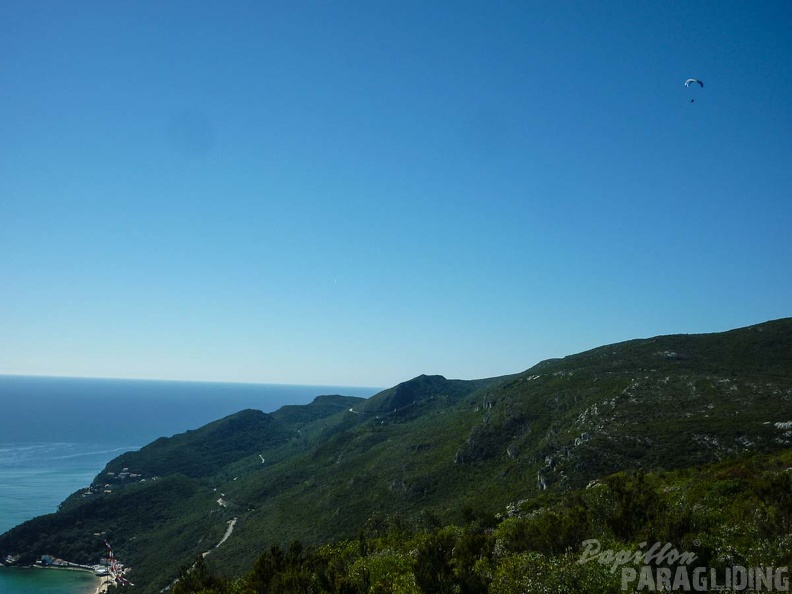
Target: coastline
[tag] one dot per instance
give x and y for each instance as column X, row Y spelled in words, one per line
column 103, row 585
column 96, row 585
column 102, row 582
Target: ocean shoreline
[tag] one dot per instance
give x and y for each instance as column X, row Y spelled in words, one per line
column 102, row 582
column 44, row 463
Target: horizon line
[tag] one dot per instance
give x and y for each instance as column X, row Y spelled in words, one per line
column 184, row 381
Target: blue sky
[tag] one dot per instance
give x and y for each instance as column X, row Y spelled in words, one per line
column 354, row 193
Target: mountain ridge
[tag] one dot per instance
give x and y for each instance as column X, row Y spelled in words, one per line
column 318, row 472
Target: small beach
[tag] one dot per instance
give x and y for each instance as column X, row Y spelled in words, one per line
column 29, row 580
column 103, row 585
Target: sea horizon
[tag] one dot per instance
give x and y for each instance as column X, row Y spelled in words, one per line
column 114, row 410
column 58, row 433
column 180, row 380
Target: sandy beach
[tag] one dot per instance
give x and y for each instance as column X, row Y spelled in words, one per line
column 104, row 584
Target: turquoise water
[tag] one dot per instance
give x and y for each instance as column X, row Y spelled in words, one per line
column 57, row 434
column 34, row 479
column 46, row 581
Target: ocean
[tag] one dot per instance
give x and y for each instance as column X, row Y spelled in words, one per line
column 57, row 434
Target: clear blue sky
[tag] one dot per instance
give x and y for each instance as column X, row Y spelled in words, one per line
column 355, row 193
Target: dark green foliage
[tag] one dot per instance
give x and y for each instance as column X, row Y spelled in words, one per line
column 433, row 566
column 549, row 530
column 289, row 571
column 478, row 519
column 199, row 579
column 471, row 548
column 637, row 506
column 775, row 513
column 302, row 571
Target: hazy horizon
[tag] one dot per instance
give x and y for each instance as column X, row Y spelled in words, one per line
column 182, row 380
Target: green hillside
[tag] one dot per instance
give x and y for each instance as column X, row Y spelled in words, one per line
column 732, row 513
column 429, row 447
column 297, row 416
column 205, row 451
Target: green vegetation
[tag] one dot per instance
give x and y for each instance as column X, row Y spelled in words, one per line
column 430, row 451
column 742, row 517
column 205, row 451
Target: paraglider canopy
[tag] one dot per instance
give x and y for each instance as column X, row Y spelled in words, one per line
column 694, row 81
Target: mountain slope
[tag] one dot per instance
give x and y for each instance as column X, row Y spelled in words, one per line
column 665, row 402
column 297, row 416
column 317, row 473
column 204, row 451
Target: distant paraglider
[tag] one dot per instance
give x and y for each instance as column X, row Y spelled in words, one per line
column 693, row 81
